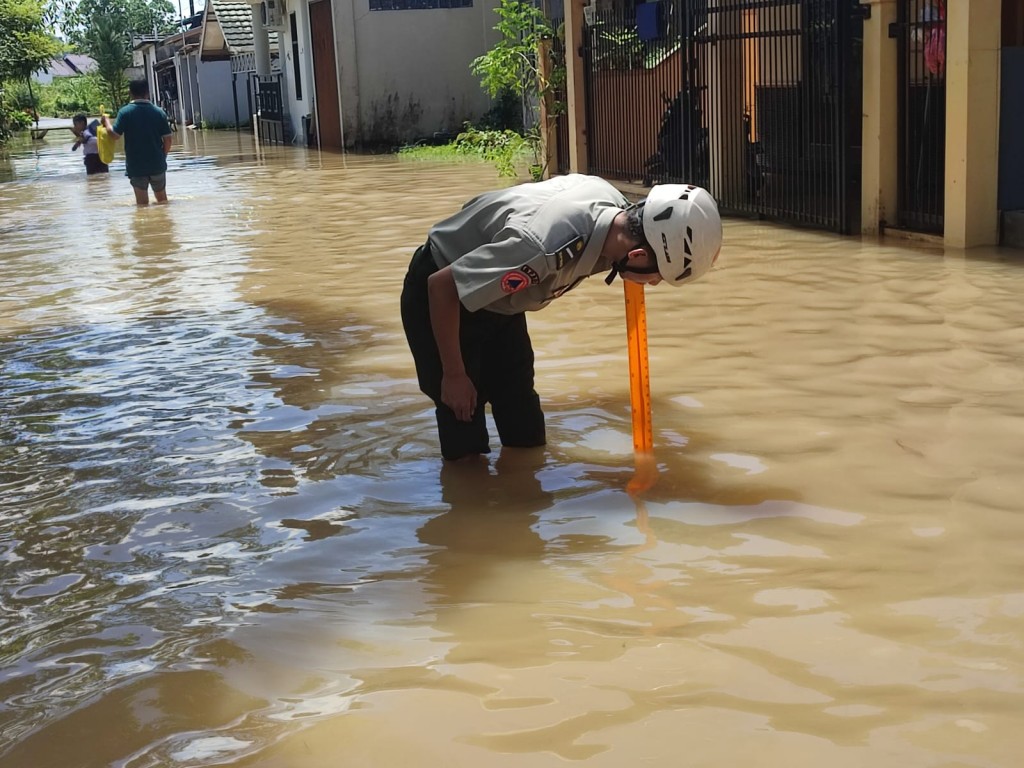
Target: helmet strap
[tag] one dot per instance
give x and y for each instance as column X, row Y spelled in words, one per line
column 622, row 266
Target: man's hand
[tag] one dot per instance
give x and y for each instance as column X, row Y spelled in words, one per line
column 459, row 394
column 457, row 391
column 105, row 119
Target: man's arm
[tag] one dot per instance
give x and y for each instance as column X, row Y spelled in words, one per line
column 457, row 391
column 167, row 144
column 110, row 128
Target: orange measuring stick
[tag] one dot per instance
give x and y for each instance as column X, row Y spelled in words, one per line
column 639, row 389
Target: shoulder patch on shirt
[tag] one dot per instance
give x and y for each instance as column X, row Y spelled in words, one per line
column 530, row 273
column 571, row 250
column 514, row 281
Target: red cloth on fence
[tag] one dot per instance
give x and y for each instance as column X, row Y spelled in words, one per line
column 935, row 44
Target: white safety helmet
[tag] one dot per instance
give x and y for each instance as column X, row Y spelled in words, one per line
column 682, row 225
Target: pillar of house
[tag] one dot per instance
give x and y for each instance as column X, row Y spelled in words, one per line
column 972, row 123
column 880, row 147
column 576, row 103
column 261, row 41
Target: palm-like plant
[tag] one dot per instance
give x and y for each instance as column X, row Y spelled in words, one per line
column 108, row 40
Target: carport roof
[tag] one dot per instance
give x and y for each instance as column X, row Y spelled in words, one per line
column 227, row 29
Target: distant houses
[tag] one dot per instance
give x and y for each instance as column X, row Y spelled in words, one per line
column 192, row 74
column 328, row 73
column 68, row 65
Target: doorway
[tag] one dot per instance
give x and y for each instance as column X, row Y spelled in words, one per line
column 325, row 76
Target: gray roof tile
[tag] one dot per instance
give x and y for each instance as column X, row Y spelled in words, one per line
column 235, row 21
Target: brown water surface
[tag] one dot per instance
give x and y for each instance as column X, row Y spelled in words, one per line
column 226, row 539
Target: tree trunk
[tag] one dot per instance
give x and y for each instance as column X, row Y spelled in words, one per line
column 32, row 100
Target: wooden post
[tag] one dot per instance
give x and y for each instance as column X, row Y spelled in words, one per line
column 548, row 125
column 576, row 103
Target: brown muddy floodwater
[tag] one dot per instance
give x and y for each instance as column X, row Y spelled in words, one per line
column 226, row 538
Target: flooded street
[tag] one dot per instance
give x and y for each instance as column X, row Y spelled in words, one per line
column 226, row 539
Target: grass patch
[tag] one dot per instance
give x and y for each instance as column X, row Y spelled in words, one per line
column 509, row 152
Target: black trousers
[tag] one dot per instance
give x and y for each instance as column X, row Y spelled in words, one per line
column 93, row 165
column 498, row 356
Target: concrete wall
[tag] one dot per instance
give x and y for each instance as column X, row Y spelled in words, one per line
column 297, row 108
column 413, row 68
column 214, row 79
column 401, row 74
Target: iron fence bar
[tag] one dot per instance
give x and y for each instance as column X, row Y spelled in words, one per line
column 749, row 98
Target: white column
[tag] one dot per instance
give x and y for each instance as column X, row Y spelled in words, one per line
column 261, row 42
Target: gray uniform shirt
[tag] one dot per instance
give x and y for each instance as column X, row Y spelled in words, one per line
column 517, row 249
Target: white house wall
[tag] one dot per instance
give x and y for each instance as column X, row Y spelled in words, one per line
column 297, row 108
column 413, row 68
column 346, row 49
column 214, row 78
column 401, row 74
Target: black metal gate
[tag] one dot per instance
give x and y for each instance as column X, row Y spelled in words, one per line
column 268, row 118
column 757, row 100
column 921, row 31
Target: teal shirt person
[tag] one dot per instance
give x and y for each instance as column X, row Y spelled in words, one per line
column 144, row 126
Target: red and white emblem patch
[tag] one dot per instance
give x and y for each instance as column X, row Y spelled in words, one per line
column 514, row 281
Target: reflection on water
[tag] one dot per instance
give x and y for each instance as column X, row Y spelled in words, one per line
column 225, row 536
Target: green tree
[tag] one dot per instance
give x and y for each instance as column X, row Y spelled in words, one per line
column 511, row 65
column 138, row 17
column 25, row 44
column 108, row 41
column 104, row 29
column 514, row 65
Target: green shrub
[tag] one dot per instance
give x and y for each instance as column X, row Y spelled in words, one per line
column 67, row 96
column 506, row 113
column 19, row 120
column 506, row 149
column 509, row 151
column 18, row 97
column 15, row 110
